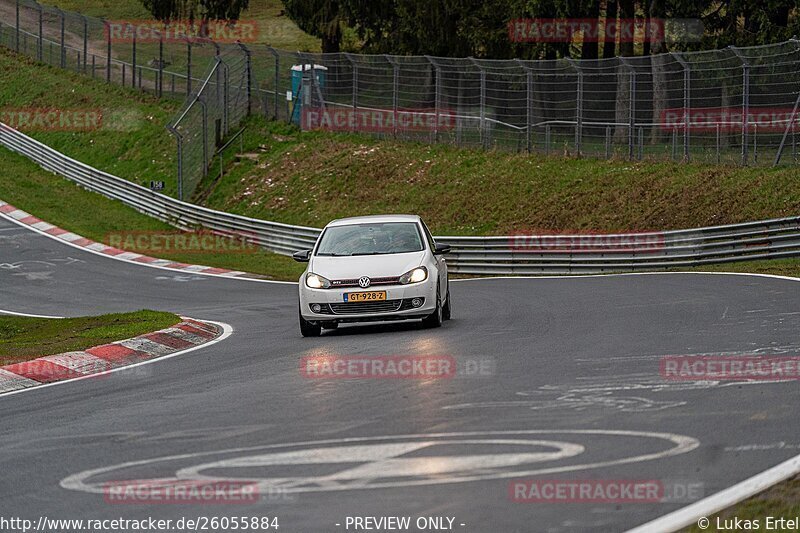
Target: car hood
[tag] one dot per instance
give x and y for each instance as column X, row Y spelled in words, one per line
column 373, row 266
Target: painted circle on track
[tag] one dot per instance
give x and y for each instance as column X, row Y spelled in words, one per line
column 391, row 461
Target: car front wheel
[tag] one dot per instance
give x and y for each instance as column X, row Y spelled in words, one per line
column 446, row 311
column 307, row 328
column 434, row 320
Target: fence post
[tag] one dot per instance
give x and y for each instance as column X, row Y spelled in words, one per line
column 547, row 139
column 16, row 46
column 640, row 152
column 395, row 90
column 108, row 51
column 438, row 73
column 249, row 66
column 354, row 82
column 578, row 106
column 133, row 62
column 528, row 103
column 631, row 105
column 225, row 99
column 277, row 79
column 482, row 130
column 160, row 64
column 63, row 58
column 745, row 101
column 179, row 140
column 188, row 66
column 40, row 49
column 85, row 42
column 755, row 143
column 686, row 102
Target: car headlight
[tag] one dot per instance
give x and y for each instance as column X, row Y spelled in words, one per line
column 414, row 276
column 316, row 281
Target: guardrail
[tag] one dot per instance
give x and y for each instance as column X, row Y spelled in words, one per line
column 516, row 254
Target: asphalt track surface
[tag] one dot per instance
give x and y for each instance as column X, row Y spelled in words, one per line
column 573, row 361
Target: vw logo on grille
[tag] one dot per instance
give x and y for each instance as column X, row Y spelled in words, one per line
column 364, row 282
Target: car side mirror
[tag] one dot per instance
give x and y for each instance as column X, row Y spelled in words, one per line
column 303, row 256
column 440, row 249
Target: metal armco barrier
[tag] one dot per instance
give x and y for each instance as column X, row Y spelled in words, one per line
column 516, row 254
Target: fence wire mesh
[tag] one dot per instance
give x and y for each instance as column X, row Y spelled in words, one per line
column 730, row 106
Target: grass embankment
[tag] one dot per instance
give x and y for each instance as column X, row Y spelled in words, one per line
column 311, row 177
column 132, row 140
column 276, row 29
column 25, row 338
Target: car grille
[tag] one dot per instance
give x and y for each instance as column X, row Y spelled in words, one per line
column 338, row 283
column 357, row 308
column 354, row 308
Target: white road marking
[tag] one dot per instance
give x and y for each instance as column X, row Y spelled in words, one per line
column 680, row 444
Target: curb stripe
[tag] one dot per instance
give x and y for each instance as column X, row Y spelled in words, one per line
column 169, row 340
column 79, row 362
column 10, row 381
column 187, row 335
column 42, row 371
column 26, row 219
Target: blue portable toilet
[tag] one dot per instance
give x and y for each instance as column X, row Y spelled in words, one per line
column 301, row 77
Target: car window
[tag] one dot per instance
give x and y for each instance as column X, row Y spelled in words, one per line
column 429, row 236
column 370, row 239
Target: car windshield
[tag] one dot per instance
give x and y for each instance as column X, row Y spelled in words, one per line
column 371, row 239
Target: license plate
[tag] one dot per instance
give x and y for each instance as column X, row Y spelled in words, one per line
column 371, row 296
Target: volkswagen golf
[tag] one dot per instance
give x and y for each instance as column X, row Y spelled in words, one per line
column 373, row 268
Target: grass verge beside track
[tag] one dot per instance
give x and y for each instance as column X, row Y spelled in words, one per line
column 779, row 501
column 131, row 140
column 25, row 338
column 309, row 178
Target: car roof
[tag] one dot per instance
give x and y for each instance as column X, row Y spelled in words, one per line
column 375, row 219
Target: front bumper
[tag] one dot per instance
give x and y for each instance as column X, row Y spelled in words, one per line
column 332, row 309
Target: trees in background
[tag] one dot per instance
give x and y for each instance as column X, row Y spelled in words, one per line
column 479, row 28
column 166, row 10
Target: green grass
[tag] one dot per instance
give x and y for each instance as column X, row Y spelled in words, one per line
column 309, row 178
column 276, row 29
column 781, row 500
column 132, row 141
column 25, row 338
column 60, row 202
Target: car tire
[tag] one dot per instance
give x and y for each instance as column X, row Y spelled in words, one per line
column 446, row 310
column 434, row 320
column 307, row 328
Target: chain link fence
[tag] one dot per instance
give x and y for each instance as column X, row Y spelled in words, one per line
column 730, row 106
